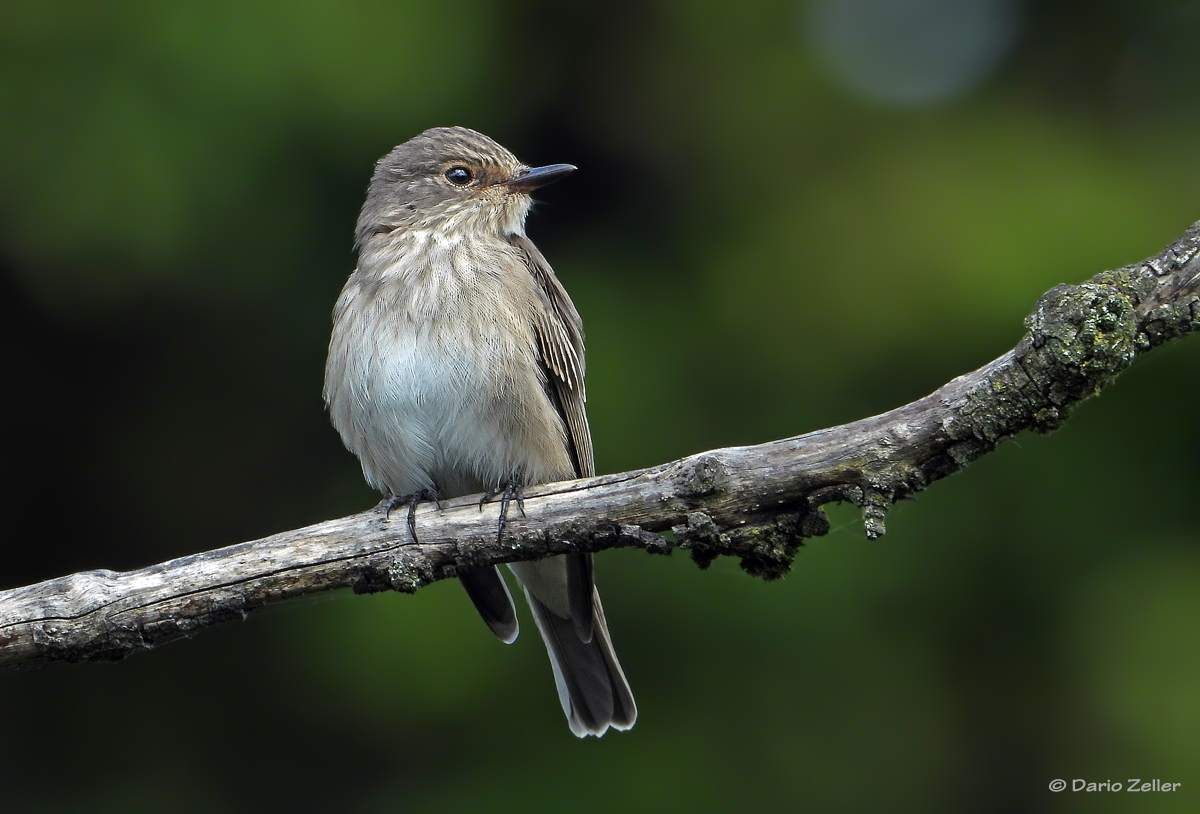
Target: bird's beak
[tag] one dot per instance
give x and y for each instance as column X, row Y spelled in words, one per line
column 531, row 178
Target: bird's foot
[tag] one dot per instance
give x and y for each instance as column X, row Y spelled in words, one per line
column 512, row 489
column 396, row 501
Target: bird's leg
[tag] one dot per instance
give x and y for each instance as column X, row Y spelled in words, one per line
column 393, row 502
column 512, row 489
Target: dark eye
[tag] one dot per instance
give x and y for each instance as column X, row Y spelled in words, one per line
column 459, row 175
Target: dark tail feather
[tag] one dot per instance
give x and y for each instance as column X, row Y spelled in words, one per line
column 591, row 686
column 487, row 590
column 581, row 585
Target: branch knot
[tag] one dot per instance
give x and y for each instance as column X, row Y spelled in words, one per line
column 1080, row 337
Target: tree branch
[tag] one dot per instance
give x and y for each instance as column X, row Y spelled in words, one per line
column 755, row 503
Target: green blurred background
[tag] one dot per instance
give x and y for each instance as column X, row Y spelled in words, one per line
column 787, row 216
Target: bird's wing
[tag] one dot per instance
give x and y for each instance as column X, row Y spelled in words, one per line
column 559, row 332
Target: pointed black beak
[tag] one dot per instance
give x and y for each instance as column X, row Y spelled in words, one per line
column 531, row 178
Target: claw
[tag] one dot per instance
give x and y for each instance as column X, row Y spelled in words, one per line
column 511, row 489
column 411, row 501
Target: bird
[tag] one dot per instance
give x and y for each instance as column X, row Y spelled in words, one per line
column 456, row 367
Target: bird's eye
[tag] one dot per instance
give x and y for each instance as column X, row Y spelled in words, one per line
column 459, row 175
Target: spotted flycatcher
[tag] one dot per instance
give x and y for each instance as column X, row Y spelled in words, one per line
column 456, row 367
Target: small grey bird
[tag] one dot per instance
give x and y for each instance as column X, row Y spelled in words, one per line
column 456, row 367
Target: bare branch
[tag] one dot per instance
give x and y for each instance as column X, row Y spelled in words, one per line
column 755, row 503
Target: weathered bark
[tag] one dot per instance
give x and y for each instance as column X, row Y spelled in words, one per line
column 755, row 503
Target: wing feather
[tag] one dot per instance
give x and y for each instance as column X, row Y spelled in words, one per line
column 559, row 333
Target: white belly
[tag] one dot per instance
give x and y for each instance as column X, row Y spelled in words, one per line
column 455, row 402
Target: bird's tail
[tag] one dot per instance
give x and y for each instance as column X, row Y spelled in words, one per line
column 591, row 685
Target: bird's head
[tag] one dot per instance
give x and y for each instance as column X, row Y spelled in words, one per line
column 454, row 182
